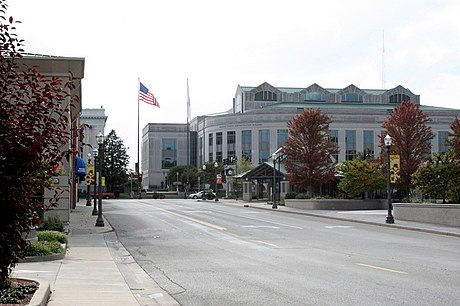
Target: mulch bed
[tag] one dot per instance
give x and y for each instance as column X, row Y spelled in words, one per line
column 15, row 283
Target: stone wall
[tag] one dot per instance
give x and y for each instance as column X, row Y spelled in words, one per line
column 335, row 204
column 443, row 214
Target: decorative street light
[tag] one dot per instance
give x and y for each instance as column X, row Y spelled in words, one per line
column 88, row 182
column 100, row 142
column 215, row 179
column 177, row 182
column 390, row 218
column 274, row 205
column 95, row 154
column 204, row 182
column 235, row 185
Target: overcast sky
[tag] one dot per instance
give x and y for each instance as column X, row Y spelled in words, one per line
column 220, row 44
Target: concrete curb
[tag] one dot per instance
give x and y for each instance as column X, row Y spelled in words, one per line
column 405, row 227
column 46, row 257
column 40, row 297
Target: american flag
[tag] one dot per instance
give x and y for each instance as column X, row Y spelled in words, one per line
column 146, row 96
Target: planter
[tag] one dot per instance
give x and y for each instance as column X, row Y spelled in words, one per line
column 443, row 214
column 335, row 204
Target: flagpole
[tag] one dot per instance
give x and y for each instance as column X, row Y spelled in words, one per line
column 139, row 180
column 188, row 137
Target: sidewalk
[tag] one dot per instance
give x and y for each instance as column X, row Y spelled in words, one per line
column 96, row 270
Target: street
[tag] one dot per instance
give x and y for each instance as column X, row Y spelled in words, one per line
column 215, row 253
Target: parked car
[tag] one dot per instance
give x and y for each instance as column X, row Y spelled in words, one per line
column 203, row 194
column 105, row 195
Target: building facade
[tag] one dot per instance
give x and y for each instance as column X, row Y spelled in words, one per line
column 256, row 125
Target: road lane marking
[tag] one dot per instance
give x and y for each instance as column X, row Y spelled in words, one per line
column 194, row 219
column 260, row 226
column 266, row 243
column 381, row 268
column 338, row 226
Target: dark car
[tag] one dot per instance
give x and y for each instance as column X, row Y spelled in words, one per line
column 208, row 195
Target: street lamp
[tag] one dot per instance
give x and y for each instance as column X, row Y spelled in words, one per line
column 95, row 154
column 274, row 205
column 88, row 198
column 177, row 182
column 100, row 142
column 235, row 185
column 390, row 218
column 215, row 178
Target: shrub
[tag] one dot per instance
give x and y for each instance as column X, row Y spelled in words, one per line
column 302, row 196
column 52, row 236
column 14, row 295
column 290, row 195
column 43, row 248
column 52, row 223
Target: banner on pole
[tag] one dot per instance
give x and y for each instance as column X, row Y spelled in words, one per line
column 395, row 165
column 90, row 174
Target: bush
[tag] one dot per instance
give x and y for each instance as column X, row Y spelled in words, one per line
column 52, row 223
column 290, row 195
column 302, row 196
column 14, row 295
column 43, row 248
column 52, row 236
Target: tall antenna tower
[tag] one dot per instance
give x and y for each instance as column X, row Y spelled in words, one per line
column 383, row 61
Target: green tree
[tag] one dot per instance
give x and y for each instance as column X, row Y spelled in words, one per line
column 454, row 138
column 411, row 135
column 182, row 174
column 116, row 161
column 359, row 176
column 35, row 137
column 308, row 149
column 439, row 177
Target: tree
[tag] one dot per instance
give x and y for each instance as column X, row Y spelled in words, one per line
column 116, row 160
column 309, row 149
column 454, row 138
column 439, row 177
column 411, row 136
column 359, row 176
column 181, row 174
column 35, row 134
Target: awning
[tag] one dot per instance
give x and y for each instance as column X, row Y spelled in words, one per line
column 80, row 166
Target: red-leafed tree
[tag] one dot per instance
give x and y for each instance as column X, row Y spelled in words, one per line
column 309, row 149
column 35, row 137
column 411, row 136
column 454, row 138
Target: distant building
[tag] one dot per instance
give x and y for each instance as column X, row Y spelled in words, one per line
column 256, row 126
column 94, row 120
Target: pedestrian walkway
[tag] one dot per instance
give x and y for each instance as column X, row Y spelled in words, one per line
column 96, row 269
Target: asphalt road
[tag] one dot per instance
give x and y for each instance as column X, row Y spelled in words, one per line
column 211, row 253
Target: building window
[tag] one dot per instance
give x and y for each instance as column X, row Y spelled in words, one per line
column 219, row 146
column 264, row 145
column 334, row 136
column 265, row 96
column 282, row 137
column 231, row 142
column 368, row 140
column 210, row 147
column 350, row 144
column 168, row 153
column 399, row 98
column 352, row 97
column 315, row 97
column 246, row 144
column 443, row 147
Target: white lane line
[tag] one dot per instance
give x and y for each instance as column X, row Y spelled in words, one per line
column 381, row 268
column 266, row 243
column 338, row 226
column 260, row 226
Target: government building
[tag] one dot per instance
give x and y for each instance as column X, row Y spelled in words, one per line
column 256, row 126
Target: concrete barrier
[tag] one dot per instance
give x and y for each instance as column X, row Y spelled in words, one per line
column 443, row 214
column 335, row 204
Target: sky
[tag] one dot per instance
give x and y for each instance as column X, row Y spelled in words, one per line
column 218, row 45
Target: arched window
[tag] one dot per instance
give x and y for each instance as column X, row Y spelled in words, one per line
column 315, row 97
column 352, row 97
column 399, row 98
column 266, row 96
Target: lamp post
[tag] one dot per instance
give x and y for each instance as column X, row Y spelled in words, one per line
column 274, row 205
column 100, row 142
column 390, row 218
column 215, row 180
column 95, row 154
column 177, row 182
column 88, row 198
column 204, row 181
